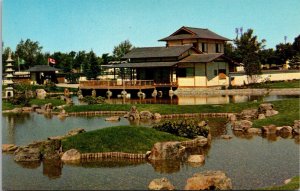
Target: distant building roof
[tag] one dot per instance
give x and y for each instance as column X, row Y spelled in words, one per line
column 142, row 65
column 193, row 33
column 201, row 57
column 157, row 52
column 42, row 68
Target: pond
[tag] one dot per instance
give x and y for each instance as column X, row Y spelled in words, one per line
column 195, row 100
column 250, row 161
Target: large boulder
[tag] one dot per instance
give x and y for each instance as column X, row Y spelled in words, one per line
column 40, row 93
column 133, row 114
column 269, row 129
column 209, row 180
column 248, row 114
column 254, row 131
column 196, row 158
column 161, row 184
column 27, row 154
column 201, row 141
column 146, row 115
column 9, row 147
column 296, row 127
column 156, row 116
column 270, row 113
column 171, row 150
column 242, row 125
column 71, row 155
column 17, row 110
column 267, row 109
column 232, row 117
column 284, row 129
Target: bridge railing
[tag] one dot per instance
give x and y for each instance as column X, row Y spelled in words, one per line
column 115, row 83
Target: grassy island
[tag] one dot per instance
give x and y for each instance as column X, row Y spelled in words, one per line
column 128, row 139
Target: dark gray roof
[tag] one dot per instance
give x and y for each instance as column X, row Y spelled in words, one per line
column 201, row 58
column 142, row 65
column 194, row 34
column 157, row 52
column 42, row 68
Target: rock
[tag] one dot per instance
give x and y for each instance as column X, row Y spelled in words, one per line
column 66, row 92
column 196, row 159
column 201, row 141
column 209, row 180
column 71, row 155
column 69, row 101
column 226, row 136
column 133, row 114
column 271, row 113
column 9, row 147
column 202, row 124
column 26, row 154
column 287, row 181
column 269, row 129
column 27, row 109
column 254, row 131
column 242, row 125
column 232, row 117
column 261, row 116
column 296, row 127
column 57, row 137
column 156, row 116
column 209, row 138
column 248, row 114
column 284, row 129
column 265, row 107
column 146, row 115
column 160, row 184
column 17, row 110
column 34, row 107
column 171, row 150
column 113, row 118
column 40, row 111
column 75, row 131
column 40, row 93
column 148, row 153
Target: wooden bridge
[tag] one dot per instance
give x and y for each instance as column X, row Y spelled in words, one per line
column 117, row 84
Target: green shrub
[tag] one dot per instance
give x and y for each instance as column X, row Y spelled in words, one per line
column 188, row 128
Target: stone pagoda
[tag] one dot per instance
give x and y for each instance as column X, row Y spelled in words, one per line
column 9, row 91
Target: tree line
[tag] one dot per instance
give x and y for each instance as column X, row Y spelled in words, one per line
column 29, row 53
column 252, row 53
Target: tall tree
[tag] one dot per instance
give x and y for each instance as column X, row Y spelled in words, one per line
column 247, row 48
column 122, row 49
column 285, row 52
column 91, row 68
column 28, row 50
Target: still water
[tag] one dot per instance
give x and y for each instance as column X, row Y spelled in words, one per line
column 250, row 161
column 195, row 100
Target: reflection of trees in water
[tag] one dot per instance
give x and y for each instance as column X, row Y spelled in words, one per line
column 11, row 121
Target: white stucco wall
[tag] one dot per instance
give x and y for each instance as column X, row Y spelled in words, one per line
column 278, row 75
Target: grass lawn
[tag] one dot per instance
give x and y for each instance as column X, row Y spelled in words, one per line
column 293, row 185
column 55, row 102
column 128, row 139
column 276, row 85
column 288, row 112
column 8, row 106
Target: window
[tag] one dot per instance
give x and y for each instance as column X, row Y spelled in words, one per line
column 204, row 47
column 218, row 48
column 185, row 72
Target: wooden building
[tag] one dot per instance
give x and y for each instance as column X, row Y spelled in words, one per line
column 192, row 57
column 41, row 74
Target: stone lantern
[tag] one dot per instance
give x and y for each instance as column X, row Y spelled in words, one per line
column 9, row 91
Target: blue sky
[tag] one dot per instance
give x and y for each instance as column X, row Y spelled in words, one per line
column 99, row 25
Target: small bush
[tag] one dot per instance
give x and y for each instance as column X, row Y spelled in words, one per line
column 90, row 100
column 188, row 128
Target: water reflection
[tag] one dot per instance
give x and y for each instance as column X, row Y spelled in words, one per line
column 194, row 100
column 52, row 168
column 29, row 165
